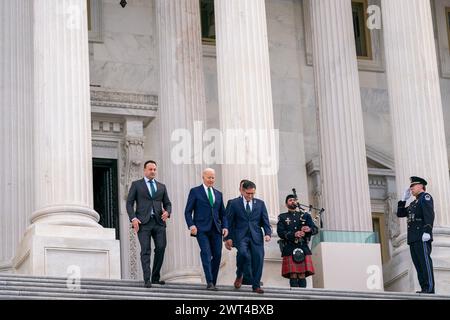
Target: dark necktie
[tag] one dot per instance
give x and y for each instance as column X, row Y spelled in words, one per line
column 247, row 208
column 152, row 187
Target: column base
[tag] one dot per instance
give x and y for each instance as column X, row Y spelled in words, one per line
column 63, row 251
column 348, row 266
column 184, row 276
column 6, row 267
column 401, row 276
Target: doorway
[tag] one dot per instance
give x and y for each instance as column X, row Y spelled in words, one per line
column 106, row 201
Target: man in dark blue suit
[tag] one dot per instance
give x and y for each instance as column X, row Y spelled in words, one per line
column 247, row 217
column 241, row 277
column 206, row 219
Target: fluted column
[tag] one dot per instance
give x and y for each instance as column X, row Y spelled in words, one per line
column 64, row 235
column 245, row 99
column 343, row 156
column 16, row 94
column 62, row 126
column 182, row 102
column 415, row 100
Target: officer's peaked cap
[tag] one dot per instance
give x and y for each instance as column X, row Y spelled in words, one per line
column 418, row 180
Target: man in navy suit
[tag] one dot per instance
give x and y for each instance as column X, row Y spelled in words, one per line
column 153, row 208
column 247, row 215
column 206, row 219
column 241, row 277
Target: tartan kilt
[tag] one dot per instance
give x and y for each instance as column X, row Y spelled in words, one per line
column 290, row 266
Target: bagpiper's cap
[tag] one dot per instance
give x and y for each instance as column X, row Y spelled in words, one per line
column 417, row 180
column 289, row 196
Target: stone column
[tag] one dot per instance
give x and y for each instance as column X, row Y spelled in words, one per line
column 343, row 156
column 417, row 121
column 182, row 102
column 62, row 175
column 245, row 99
column 62, row 133
column 16, row 125
column 250, row 142
column 345, row 185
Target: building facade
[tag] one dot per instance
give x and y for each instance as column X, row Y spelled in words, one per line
column 92, row 89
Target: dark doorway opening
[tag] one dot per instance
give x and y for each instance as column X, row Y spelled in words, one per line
column 106, row 200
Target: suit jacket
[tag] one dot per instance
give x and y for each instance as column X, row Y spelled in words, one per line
column 242, row 223
column 145, row 203
column 420, row 215
column 199, row 212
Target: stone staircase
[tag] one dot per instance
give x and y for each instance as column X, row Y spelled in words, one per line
column 14, row 287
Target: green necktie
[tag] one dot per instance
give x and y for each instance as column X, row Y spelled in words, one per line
column 210, row 197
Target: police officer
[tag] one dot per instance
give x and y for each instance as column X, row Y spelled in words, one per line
column 295, row 228
column 420, row 215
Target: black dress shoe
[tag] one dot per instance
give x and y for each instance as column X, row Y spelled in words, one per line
column 238, row 282
column 426, row 292
column 148, row 284
column 211, row 286
column 159, row 282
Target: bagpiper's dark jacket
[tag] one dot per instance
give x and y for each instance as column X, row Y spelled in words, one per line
column 288, row 224
column 420, row 215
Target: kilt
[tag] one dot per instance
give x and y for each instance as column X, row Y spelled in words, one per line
column 290, row 266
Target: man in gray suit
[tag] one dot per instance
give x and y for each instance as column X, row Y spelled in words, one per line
column 153, row 208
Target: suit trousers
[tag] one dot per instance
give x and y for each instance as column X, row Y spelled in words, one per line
column 241, row 271
column 210, row 243
column 252, row 259
column 421, row 257
column 158, row 232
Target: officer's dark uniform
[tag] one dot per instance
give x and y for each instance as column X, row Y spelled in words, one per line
column 420, row 215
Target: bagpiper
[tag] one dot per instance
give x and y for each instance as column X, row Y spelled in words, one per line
column 295, row 229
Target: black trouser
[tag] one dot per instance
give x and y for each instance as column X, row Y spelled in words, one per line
column 158, row 232
column 421, row 257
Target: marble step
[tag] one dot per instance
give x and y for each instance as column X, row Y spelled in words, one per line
column 24, row 287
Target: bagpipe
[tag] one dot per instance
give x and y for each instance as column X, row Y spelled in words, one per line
column 317, row 219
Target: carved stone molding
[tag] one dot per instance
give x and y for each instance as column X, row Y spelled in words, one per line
column 104, row 149
column 313, row 170
column 113, row 103
column 134, row 153
column 133, row 156
column 377, row 181
column 134, row 261
column 124, row 99
column 108, row 127
column 392, row 221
